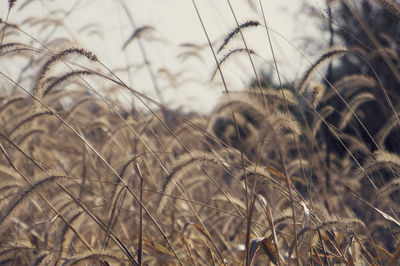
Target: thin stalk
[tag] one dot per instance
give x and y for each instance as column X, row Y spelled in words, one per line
column 250, row 58
column 140, row 244
column 227, row 92
column 294, row 137
column 144, row 54
column 233, row 114
column 5, row 27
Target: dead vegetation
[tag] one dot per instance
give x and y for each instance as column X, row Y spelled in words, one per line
column 84, row 181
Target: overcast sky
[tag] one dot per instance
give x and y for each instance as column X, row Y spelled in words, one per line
column 175, row 22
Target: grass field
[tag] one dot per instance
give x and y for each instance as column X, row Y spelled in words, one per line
column 305, row 172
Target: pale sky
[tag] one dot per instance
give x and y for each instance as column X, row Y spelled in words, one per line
column 175, row 22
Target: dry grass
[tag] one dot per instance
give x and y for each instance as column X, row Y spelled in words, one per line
column 86, row 182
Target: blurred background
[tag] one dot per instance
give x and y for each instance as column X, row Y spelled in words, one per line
column 170, row 38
